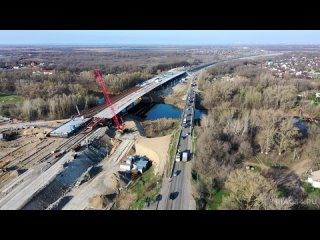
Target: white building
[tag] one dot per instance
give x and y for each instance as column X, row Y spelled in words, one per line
column 314, row 179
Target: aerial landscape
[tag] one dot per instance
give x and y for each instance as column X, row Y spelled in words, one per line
column 151, row 120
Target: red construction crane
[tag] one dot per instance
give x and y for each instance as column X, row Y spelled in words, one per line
column 97, row 75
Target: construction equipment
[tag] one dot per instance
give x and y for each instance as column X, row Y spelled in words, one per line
column 97, row 75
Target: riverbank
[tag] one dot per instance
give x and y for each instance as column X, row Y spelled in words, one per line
column 178, row 96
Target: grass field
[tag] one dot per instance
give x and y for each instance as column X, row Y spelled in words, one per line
column 173, row 149
column 4, row 98
column 216, row 200
column 146, row 187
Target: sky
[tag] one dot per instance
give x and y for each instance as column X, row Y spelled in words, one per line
column 157, row 37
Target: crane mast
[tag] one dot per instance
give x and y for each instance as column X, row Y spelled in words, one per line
column 97, row 75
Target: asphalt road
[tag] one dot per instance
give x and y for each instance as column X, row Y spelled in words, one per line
column 20, row 195
column 179, row 196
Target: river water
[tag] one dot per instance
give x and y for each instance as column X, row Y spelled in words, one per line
column 163, row 110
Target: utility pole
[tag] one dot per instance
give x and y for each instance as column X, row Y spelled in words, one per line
column 75, row 104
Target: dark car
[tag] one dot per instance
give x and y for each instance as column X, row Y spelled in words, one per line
column 176, row 173
column 173, row 195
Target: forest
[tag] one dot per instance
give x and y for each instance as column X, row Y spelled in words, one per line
column 254, row 121
column 48, row 97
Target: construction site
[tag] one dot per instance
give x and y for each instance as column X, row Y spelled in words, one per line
column 76, row 163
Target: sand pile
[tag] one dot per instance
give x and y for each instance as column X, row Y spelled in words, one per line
column 35, row 131
column 155, row 149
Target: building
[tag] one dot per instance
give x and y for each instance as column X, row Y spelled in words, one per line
column 70, row 127
column 135, row 163
column 142, row 164
column 269, row 62
column 314, row 179
column 130, row 159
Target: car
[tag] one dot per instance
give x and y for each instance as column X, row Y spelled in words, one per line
column 175, row 173
column 173, row 195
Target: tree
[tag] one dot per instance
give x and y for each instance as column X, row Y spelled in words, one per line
column 266, row 122
column 286, row 136
column 245, row 149
column 251, row 191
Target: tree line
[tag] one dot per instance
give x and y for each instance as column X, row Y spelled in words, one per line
column 248, row 118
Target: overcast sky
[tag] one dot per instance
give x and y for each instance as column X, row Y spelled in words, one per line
column 157, row 37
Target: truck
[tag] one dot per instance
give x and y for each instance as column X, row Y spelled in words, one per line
column 185, row 156
column 57, row 154
column 178, row 157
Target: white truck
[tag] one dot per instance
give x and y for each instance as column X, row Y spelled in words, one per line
column 125, row 167
column 185, row 156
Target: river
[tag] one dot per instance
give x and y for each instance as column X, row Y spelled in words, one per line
column 162, row 110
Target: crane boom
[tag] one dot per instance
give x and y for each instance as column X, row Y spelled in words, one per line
column 98, row 76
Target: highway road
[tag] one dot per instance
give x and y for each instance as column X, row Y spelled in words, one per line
column 176, row 192
column 20, row 196
column 18, row 192
column 179, row 196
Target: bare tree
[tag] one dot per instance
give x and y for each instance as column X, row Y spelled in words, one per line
column 286, row 136
column 266, row 121
column 249, row 190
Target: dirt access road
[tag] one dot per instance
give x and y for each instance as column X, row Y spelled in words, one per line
column 81, row 196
